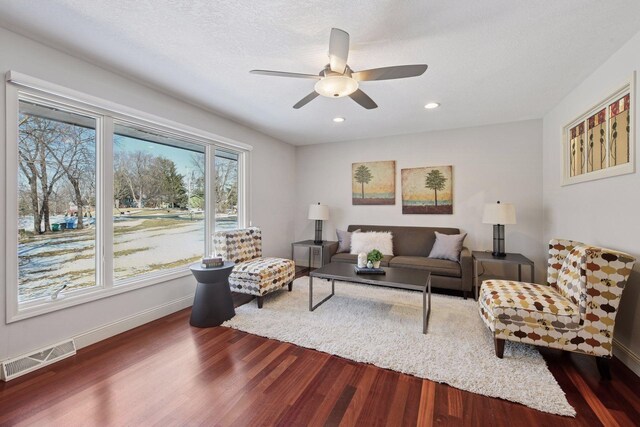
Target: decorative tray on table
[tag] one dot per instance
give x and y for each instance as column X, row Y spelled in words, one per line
column 366, row 270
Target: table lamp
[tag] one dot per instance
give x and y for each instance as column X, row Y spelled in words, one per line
column 499, row 214
column 319, row 213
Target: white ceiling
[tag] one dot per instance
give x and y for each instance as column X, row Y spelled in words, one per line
column 490, row 61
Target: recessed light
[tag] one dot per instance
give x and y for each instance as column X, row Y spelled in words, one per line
column 431, row 105
column 338, row 119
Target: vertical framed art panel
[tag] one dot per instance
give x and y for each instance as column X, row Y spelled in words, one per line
column 601, row 142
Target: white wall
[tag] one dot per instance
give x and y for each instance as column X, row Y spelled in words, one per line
column 603, row 212
column 498, row 162
column 272, row 190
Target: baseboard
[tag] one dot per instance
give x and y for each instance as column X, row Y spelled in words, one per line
column 626, row 356
column 122, row 325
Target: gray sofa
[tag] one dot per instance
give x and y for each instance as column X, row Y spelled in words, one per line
column 411, row 248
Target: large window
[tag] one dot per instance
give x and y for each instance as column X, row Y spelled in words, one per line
column 159, row 200
column 106, row 201
column 56, row 201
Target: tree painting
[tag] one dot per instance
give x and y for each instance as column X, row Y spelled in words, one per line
column 435, row 181
column 427, row 190
column 363, row 176
column 380, row 180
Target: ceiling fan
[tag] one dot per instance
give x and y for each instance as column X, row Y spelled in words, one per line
column 337, row 79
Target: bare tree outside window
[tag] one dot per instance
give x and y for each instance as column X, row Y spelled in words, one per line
column 158, row 219
column 56, row 201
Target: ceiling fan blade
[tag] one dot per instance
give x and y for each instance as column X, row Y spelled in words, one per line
column 363, row 99
column 285, row 74
column 338, row 50
column 304, row 101
column 390, row 73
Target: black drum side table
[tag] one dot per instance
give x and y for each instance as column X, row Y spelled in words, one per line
column 212, row 303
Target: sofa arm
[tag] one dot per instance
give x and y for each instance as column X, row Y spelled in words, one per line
column 331, row 251
column 466, row 264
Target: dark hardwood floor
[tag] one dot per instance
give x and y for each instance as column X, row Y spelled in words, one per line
column 168, row 373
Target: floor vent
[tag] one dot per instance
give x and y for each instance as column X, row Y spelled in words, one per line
column 21, row 365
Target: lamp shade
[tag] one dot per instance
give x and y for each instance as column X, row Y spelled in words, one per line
column 499, row 213
column 319, row 212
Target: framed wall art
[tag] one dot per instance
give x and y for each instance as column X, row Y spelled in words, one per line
column 601, row 142
column 427, row 190
column 373, row 183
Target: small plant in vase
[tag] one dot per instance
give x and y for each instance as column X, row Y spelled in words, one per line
column 374, row 257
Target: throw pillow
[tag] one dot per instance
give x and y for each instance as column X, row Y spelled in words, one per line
column 344, row 240
column 447, row 246
column 366, row 242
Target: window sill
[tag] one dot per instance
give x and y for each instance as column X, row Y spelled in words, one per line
column 37, row 308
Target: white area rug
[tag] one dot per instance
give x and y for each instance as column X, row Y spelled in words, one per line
column 383, row 327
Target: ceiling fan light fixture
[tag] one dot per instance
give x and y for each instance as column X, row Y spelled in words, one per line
column 431, row 105
column 336, row 86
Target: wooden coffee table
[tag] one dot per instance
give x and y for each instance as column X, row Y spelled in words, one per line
column 401, row 278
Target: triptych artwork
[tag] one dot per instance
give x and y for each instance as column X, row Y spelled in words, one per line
column 594, row 145
column 600, row 142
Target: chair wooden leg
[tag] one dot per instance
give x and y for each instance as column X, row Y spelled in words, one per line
column 603, row 367
column 290, row 286
column 260, row 301
column 499, row 345
column 465, row 294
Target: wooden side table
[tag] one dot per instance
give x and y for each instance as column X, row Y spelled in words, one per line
column 212, row 303
column 486, row 257
column 309, row 244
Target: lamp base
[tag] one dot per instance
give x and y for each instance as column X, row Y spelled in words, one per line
column 318, row 236
column 498, row 241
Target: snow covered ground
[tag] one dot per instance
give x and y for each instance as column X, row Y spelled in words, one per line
column 49, row 261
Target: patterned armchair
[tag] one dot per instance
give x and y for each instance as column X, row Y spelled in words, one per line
column 575, row 311
column 253, row 274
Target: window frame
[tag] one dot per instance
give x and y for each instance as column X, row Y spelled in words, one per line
column 22, row 87
column 151, row 278
column 607, row 171
column 100, row 181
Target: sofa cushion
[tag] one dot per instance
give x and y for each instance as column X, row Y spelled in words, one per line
column 260, row 276
column 344, row 240
column 447, row 246
column 238, row 245
column 366, row 242
column 353, row 259
column 409, row 241
column 439, row 267
column 527, row 303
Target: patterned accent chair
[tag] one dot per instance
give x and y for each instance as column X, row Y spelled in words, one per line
column 575, row 311
column 253, row 274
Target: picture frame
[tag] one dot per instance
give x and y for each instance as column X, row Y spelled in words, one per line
column 595, row 144
column 373, row 183
column 427, row 190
